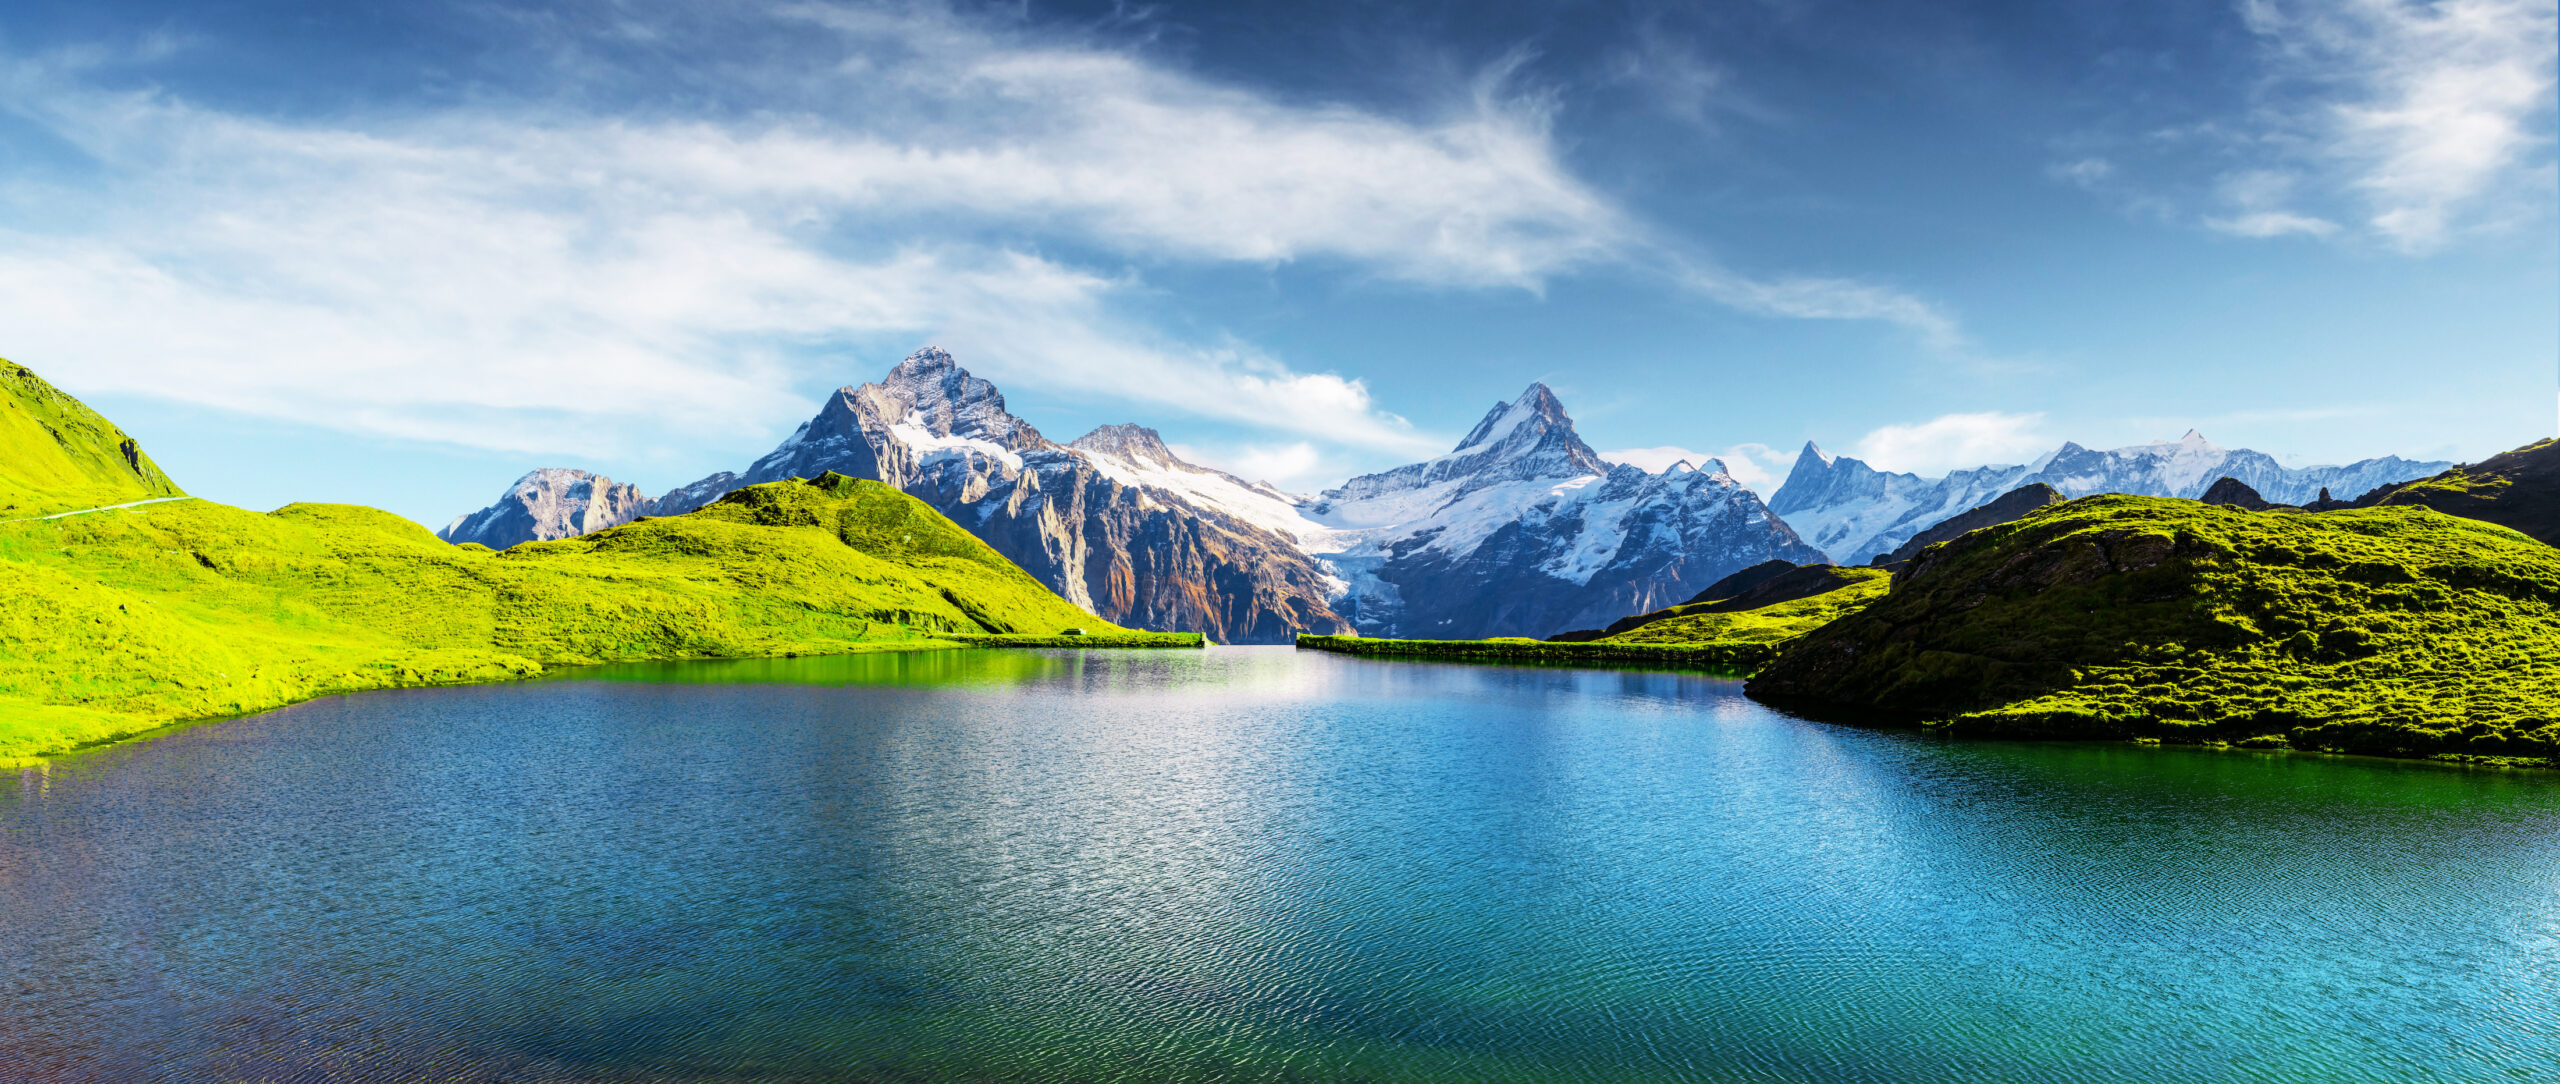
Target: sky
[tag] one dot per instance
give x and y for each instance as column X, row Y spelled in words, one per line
column 397, row 254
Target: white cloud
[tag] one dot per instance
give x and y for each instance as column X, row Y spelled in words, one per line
column 1955, row 442
column 533, row 278
column 2424, row 111
column 2088, row 172
column 1295, row 467
column 1813, row 298
column 2271, row 224
column 1759, row 467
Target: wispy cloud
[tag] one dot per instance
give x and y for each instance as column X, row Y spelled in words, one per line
column 1297, row 466
column 2256, row 198
column 2423, row 111
column 522, row 275
column 1817, row 298
column 1955, row 442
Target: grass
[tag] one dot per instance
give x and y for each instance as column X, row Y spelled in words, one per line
column 115, row 623
column 57, row 455
column 2393, row 631
column 1192, row 640
column 1769, row 626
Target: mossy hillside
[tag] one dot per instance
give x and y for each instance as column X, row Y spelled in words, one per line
column 1768, row 626
column 2393, row 631
column 118, row 622
column 57, row 455
column 2519, row 489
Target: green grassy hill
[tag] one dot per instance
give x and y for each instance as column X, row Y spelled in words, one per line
column 1768, row 626
column 57, row 455
column 117, row 622
column 2393, row 630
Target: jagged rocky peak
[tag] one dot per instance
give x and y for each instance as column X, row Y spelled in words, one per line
column 1135, row 443
column 549, row 503
column 1531, row 431
column 1820, row 478
column 946, row 400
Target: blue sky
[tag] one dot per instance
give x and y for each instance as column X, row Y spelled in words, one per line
column 398, row 255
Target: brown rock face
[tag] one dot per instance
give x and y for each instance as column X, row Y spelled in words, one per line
column 1113, row 522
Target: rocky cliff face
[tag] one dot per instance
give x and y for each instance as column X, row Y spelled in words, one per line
column 1856, row 513
column 1523, row 530
column 1114, row 522
column 550, row 503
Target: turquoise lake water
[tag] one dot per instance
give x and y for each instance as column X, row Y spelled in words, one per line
column 1247, row 864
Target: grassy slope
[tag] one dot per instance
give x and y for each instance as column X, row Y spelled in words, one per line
column 2396, row 631
column 1741, row 640
column 2519, row 489
column 119, row 622
column 1768, row 625
column 57, row 455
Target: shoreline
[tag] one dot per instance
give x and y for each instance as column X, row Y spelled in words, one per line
column 1732, row 659
column 1120, row 641
column 1706, row 660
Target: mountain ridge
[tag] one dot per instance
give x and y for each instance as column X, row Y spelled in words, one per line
column 1855, row 512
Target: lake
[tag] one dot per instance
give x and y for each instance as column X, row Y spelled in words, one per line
column 1247, row 864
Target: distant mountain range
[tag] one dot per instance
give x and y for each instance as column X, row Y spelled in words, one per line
column 1521, row 530
column 1853, row 512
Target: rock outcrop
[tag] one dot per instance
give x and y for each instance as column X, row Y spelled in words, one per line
column 554, row 502
column 2237, row 494
column 1855, row 513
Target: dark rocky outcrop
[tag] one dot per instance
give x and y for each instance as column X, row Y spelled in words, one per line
column 2237, row 494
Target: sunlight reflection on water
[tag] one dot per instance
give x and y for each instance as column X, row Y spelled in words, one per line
column 1246, row 864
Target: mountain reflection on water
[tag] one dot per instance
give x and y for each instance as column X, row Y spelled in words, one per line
column 1246, row 864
